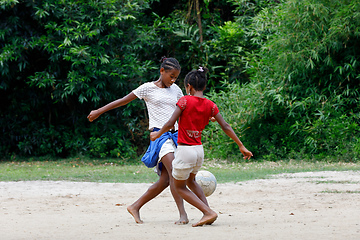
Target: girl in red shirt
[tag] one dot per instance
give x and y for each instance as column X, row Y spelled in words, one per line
column 194, row 112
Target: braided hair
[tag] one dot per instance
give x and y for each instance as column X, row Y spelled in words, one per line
column 197, row 78
column 169, row 63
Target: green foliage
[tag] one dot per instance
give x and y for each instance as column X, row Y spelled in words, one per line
column 105, row 146
column 307, row 75
column 284, row 74
column 236, row 106
column 60, row 59
column 318, row 68
column 224, row 49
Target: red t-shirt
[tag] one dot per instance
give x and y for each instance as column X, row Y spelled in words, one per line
column 196, row 113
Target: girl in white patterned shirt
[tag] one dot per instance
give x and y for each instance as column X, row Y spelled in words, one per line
column 160, row 97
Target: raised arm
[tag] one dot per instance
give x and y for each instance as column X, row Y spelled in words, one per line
column 117, row 103
column 230, row 132
column 167, row 126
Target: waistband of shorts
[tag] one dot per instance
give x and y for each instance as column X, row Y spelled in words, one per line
column 157, row 129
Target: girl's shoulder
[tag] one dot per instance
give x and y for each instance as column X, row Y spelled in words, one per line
column 148, row 84
column 176, row 87
column 144, row 90
column 177, row 90
column 144, row 85
column 149, row 87
column 198, row 99
column 205, row 101
column 210, row 101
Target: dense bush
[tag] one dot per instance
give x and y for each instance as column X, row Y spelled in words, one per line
column 285, row 74
column 59, row 60
column 303, row 98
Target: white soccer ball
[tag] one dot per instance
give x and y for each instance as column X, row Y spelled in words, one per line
column 207, row 182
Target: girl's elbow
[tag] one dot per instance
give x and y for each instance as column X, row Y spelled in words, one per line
column 169, row 125
column 226, row 127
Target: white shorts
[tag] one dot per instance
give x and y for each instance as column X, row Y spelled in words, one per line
column 168, row 147
column 188, row 159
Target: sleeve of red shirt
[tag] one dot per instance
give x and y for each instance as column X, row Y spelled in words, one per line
column 182, row 103
column 215, row 110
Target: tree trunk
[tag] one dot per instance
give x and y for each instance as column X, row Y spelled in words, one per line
column 197, row 6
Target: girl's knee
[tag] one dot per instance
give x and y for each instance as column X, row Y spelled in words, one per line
column 165, row 183
column 164, row 179
column 191, row 180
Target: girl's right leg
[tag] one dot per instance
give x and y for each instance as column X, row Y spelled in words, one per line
column 152, row 192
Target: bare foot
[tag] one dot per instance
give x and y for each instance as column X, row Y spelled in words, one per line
column 206, row 220
column 182, row 221
column 135, row 213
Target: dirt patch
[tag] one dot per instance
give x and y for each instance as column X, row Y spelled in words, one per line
column 320, row 205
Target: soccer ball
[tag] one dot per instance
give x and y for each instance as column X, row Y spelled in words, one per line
column 207, row 182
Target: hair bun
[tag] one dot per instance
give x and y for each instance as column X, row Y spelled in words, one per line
column 203, row 70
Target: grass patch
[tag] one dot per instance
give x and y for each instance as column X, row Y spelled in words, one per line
column 337, row 191
column 85, row 170
column 74, row 170
column 335, row 182
column 237, row 172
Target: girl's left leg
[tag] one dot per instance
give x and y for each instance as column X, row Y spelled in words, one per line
column 195, row 188
column 167, row 163
column 209, row 215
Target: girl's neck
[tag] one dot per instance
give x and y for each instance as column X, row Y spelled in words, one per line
column 198, row 94
column 159, row 83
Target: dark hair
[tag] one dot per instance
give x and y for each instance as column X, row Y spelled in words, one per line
column 169, row 63
column 197, row 78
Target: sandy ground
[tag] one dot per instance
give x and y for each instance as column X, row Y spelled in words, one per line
column 321, row 205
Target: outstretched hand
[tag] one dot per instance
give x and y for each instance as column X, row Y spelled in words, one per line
column 247, row 154
column 93, row 115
